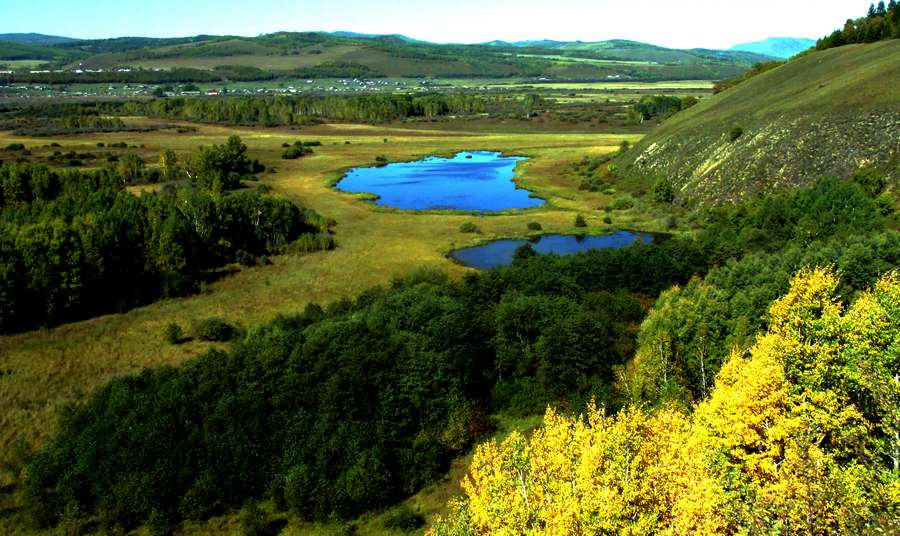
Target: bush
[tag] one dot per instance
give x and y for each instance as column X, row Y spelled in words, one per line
column 524, row 251
column 736, row 133
column 173, row 333
column 309, row 242
column 15, row 147
column 213, row 329
column 295, row 152
column 468, row 227
column 245, row 258
column 607, row 220
column 871, row 180
column 381, row 159
column 580, row 221
column 624, row 202
column 255, row 521
column 534, row 226
column 403, row 518
column 662, row 191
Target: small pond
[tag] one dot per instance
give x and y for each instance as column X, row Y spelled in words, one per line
column 500, row 252
column 477, row 180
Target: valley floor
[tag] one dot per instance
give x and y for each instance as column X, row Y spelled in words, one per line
column 47, row 369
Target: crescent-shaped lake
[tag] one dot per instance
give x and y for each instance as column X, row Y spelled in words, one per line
column 501, row 252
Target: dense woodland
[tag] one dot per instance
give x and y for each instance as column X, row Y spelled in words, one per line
column 334, row 412
column 272, row 111
column 267, row 111
column 76, row 244
column 882, row 22
column 798, row 436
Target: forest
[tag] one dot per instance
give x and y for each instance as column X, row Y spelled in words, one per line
column 76, row 244
column 267, row 111
column 363, row 402
column 882, row 22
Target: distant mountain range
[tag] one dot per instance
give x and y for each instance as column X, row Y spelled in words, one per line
column 777, row 47
column 350, row 54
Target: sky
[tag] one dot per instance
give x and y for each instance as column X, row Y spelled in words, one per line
column 672, row 23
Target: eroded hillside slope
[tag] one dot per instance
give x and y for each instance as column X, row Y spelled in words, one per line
column 826, row 113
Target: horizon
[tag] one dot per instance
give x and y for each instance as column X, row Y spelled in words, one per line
column 528, row 20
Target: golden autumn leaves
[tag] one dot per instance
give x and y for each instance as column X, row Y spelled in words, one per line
column 800, row 436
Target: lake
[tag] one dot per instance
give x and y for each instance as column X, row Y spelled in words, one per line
column 500, row 252
column 477, row 181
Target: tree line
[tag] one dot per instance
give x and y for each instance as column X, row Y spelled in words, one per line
column 267, row 111
column 77, row 244
column 882, row 22
column 284, row 110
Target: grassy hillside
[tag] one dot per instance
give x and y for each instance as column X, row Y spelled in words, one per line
column 825, row 113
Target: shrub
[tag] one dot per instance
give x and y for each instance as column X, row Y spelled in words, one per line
column 245, row 258
column 255, row 521
column 310, row 242
column 624, row 202
column 15, row 147
column 403, row 518
column 662, row 191
column 534, row 226
column 381, row 159
column 295, row 152
column 607, row 220
column 213, row 329
column 624, row 146
column 736, row 133
column 871, row 180
column 580, row 221
column 468, row 227
column 173, row 333
column 524, row 251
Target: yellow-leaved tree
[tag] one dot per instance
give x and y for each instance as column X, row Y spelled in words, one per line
column 799, row 436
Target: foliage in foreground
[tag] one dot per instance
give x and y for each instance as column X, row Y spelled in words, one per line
column 334, row 413
column 799, row 436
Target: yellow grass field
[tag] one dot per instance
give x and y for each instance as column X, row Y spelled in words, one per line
column 53, row 367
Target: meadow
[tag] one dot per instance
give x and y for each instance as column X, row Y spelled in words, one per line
column 46, row 369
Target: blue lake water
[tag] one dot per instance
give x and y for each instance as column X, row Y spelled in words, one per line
column 478, row 180
column 500, row 252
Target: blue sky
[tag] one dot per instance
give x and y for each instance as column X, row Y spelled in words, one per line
column 675, row 23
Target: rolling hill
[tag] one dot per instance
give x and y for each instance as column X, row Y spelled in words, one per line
column 35, row 39
column 777, row 47
column 393, row 56
column 825, row 113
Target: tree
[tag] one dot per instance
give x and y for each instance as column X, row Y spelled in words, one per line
column 130, row 167
column 221, row 167
column 168, row 162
